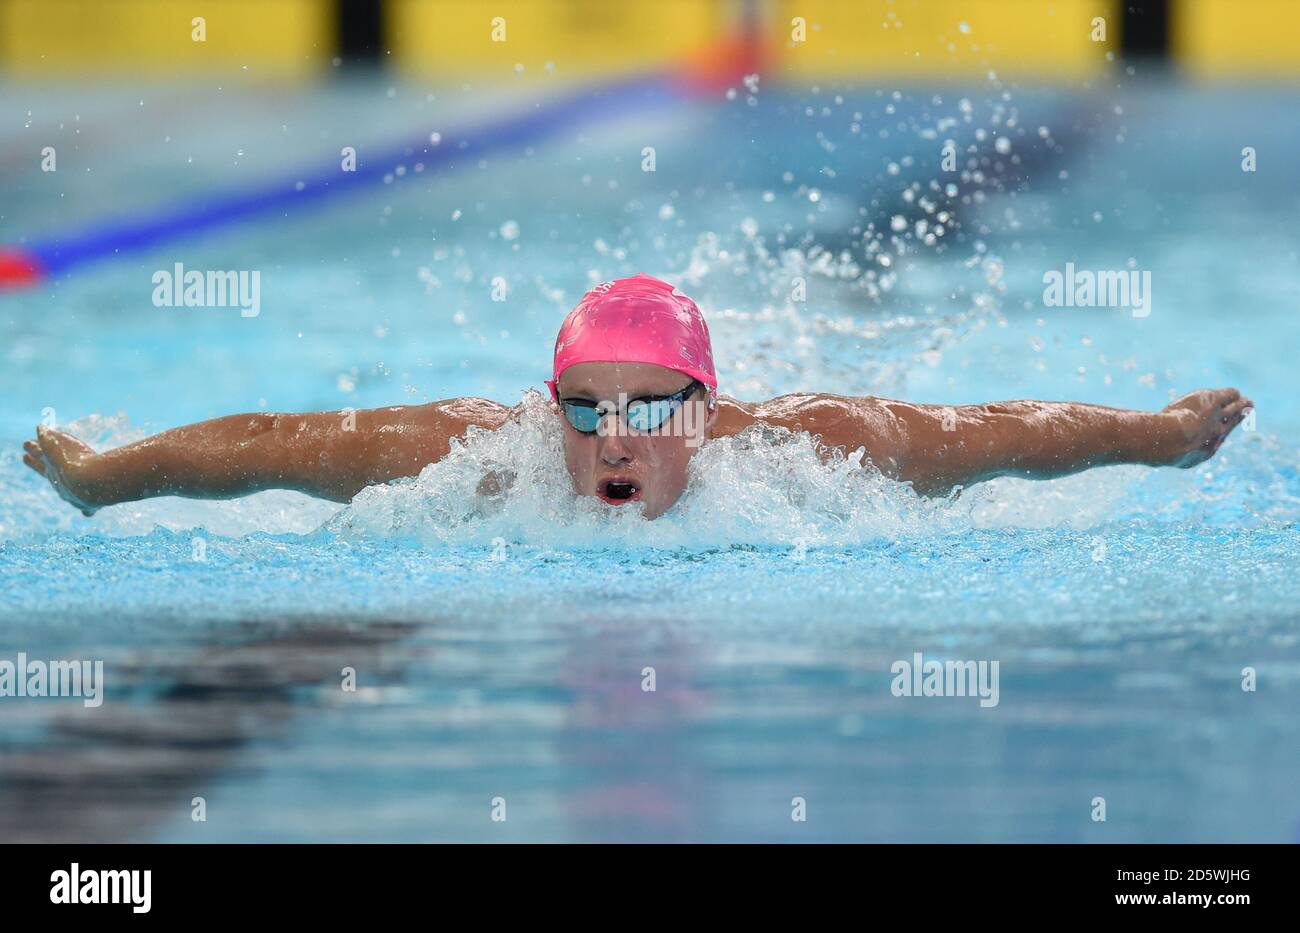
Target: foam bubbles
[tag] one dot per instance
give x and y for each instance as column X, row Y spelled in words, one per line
column 761, row 487
column 769, row 487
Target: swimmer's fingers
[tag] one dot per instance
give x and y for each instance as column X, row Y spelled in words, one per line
column 1204, row 402
column 1235, row 411
column 1231, row 415
column 1206, row 417
column 32, row 457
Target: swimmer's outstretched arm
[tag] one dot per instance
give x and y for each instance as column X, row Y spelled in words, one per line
column 332, row 455
column 939, row 448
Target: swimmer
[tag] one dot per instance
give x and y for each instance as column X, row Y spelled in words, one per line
column 634, row 388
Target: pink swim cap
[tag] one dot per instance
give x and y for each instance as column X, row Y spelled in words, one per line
column 636, row 320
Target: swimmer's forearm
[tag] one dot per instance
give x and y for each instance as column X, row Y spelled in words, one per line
column 331, row 455
column 960, row 446
column 218, row 459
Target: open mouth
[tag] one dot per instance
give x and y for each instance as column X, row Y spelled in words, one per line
column 618, row 490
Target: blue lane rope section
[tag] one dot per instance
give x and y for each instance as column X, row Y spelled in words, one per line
column 57, row 255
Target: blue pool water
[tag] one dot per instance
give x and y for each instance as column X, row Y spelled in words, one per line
column 502, row 648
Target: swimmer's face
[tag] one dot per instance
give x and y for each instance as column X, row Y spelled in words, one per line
column 619, row 464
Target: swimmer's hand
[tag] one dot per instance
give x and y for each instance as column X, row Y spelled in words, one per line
column 64, row 461
column 1203, row 420
column 496, row 483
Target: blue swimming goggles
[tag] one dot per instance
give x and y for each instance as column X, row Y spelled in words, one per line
column 642, row 414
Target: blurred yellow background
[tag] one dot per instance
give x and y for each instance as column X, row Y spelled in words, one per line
column 803, row 38
column 71, row 38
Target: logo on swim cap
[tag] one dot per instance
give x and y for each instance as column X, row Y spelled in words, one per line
column 639, row 319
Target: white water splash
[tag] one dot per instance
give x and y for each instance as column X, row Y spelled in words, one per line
column 760, row 487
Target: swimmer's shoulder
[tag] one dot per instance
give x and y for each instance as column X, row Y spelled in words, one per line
column 454, row 415
column 840, row 421
column 798, row 411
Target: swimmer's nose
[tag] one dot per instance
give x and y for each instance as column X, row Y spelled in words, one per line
column 614, row 448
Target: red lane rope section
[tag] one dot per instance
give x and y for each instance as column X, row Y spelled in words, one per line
column 18, row 270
